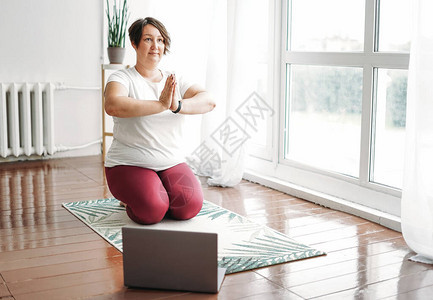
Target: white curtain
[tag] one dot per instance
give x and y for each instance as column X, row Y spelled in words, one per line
column 222, row 45
column 246, row 44
column 417, row 196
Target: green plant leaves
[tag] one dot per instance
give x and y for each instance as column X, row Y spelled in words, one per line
column 117, row 24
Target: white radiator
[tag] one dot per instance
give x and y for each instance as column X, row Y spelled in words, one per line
column 26, row 119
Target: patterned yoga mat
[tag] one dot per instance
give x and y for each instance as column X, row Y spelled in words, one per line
column 242, row 244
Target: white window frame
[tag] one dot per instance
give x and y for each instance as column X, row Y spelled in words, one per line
column 309, row 181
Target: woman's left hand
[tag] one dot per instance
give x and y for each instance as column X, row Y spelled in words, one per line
column 174, row 100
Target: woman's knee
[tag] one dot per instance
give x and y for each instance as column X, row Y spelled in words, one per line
column 150, row 206
column 147, row 215
column 188, row 209
column 142, row 190
column 184, row 191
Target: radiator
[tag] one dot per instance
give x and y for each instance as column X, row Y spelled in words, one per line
column 26, row 119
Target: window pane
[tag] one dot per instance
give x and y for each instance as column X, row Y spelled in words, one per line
column 390, row 124
column 332, row 25
column 394, row 25
column 324, row 117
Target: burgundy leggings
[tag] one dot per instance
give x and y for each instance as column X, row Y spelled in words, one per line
column 150, row 195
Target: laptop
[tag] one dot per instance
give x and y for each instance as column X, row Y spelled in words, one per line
column 171, row 260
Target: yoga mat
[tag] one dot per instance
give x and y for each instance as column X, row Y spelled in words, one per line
column 242, row 244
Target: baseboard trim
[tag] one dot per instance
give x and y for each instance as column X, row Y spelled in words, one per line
column 379, row 217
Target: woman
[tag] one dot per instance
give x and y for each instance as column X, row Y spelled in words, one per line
column 145, row 168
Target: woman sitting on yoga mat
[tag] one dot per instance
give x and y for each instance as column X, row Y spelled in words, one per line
column 145, row 167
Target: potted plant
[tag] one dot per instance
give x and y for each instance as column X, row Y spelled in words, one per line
column 116, row 31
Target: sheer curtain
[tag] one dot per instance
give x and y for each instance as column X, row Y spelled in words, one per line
column 417, row 196
column 222, row 45
column 246, row 47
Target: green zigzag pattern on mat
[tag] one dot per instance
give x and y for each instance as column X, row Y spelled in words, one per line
column 255, row 245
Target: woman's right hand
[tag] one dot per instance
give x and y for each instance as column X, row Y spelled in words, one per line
column 167, row 93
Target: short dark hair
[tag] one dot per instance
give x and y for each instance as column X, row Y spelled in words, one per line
column 136, row 31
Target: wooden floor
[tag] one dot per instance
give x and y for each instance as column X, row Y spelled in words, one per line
column 46, row 253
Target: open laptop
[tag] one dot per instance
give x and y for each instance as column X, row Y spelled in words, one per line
column 171, row 259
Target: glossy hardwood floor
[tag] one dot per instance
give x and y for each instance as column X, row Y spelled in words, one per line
column 46, row 253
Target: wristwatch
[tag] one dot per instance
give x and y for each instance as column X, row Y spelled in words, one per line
column 179, row 106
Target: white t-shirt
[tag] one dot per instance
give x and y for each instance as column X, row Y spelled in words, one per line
column 155, row 141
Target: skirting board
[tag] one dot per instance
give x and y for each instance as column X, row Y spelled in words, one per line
column 379, row 217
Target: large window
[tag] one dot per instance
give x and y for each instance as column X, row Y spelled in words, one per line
column 317, row 25
column 344, row 69
column 324, row 116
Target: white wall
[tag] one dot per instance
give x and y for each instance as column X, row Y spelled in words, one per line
column 65, row 42
column 58, row 41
